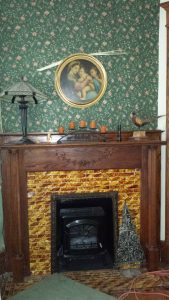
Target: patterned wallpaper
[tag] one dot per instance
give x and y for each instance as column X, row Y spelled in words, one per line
column 38, row 32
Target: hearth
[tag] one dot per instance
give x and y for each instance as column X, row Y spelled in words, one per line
column 84, row 231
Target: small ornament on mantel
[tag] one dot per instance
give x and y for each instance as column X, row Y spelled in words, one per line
column 140, row 122
column 129, row 251
column 49, row 136
column 92, row 124
column 61, row 130
column 103, row 129
column 82, row 124
column 72, row 125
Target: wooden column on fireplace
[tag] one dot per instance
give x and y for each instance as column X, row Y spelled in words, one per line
column 17, row 160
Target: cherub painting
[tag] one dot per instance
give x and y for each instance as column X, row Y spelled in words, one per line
column 81, row 80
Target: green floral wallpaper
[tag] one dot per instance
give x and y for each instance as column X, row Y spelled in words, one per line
column 38, row 32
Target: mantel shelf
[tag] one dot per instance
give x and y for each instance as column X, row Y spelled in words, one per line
column 82, row 144
column 80, row 136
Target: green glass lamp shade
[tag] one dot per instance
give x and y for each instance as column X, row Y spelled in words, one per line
column 23, row 93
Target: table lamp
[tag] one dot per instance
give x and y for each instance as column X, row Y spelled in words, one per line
column 23, row 93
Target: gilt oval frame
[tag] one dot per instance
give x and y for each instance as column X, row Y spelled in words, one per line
column 73, row 87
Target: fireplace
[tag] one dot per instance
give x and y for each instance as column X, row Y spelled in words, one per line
column 41, row 185
column 84, row 231
column 20, row 160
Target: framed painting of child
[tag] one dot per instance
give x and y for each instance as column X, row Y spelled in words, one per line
column 80, row 80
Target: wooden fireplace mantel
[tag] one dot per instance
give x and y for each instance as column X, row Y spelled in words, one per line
column 17, row 160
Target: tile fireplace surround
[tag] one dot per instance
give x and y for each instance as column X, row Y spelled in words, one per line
column 19, row 161
column 41, row 185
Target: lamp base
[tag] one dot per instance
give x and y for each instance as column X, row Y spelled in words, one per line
column 23, row 140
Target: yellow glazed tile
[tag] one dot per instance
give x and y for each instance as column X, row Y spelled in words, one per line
column 43, row 184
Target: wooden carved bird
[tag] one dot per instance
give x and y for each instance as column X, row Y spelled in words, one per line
column 141, row 122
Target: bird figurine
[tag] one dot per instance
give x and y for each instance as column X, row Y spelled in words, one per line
column 141, row 122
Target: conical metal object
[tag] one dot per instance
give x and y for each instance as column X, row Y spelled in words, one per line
column 129, row 250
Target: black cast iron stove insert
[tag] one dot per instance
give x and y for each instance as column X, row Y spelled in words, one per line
column 83, row 231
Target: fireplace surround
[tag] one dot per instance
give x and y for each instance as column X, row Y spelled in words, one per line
column 40, row 187
column 19, row 160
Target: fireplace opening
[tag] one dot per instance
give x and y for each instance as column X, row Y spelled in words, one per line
column 83, row 231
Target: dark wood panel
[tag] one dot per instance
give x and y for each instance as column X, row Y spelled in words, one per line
column 83, row 157
column 3, row 269
column 153, row 208
column 144, row 202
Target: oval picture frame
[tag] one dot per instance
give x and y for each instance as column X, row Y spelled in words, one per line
column 80, row 80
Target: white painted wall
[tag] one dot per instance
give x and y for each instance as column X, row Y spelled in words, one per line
column 162, row 106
